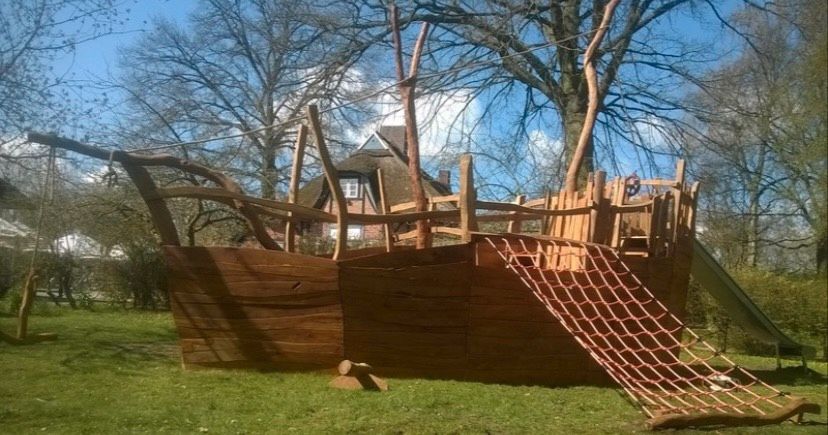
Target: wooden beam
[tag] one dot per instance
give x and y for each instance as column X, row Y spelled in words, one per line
column 515, row 224
column 595, row 215
column 619, row 191
column 468, row 198
column 383, row 208
column 221, row 195
column 332, row 177
column 159, row 213
column 169, row 161
column 681, row 167
column 402, row 217
column 293, row 190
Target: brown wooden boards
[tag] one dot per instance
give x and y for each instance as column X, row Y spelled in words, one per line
column 445, row 312
column 252, row 308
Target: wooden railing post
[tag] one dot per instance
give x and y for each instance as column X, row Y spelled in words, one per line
column 596, row 215
column 468, row 198
column 678, row 195
column 384, row 208
column 332, row 177
column 619, row 192
column 515, row 225
column 546, row 222
column 293, row 192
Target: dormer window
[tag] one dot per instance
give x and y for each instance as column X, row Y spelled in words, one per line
column 350, row 187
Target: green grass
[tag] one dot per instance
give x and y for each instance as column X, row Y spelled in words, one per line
column 118, row 372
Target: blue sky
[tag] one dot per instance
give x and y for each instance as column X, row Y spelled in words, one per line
column 98, row 58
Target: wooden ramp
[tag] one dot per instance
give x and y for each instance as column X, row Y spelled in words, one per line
column 637, row 341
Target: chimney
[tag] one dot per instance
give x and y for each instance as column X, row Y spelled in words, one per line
column 444, row 177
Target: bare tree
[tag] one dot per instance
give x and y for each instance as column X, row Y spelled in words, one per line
column 537, row 51
column 33, row 33
column 760, row 143
column 240, row 66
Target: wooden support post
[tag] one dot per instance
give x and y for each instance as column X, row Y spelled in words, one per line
column 385, row 208
column 547, row 220
column 678, row 195
column 332, row 177
column 596, row 229
column 515, row 225
column 618, row 200
column 293, row 192
column 468, row 198
column 28, row 296
column 691, row 213
column 159, row 213
column 655, row 239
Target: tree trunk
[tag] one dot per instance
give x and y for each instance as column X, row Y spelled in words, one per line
column 268, row 180
column 822, row 253
column 753, row 233
column 573, row 123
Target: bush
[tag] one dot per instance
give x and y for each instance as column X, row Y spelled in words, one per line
column 142, row 277
column 797, row 304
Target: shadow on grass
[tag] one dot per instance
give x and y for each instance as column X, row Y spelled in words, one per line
column 791, row 376
column 124, row 355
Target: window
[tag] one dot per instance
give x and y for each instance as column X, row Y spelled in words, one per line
column 354, row 231
column 350, row 187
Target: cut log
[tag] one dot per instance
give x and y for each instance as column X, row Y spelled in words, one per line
column 357, row 376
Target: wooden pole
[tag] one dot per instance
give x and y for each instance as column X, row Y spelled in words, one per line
column 407, row 86
column 594, row 99
column 159, row 213
column 468, row 197
column 293, row 191
column 596, row 227
column 678, row 195
column 125, row 158
column 384, row 209
column 515, row 225
column 620, row 189
column 332, row 177
column 547, row 220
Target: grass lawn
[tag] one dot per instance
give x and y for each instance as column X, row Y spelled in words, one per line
column 118, row 372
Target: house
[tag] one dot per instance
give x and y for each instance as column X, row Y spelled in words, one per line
column 386, row 150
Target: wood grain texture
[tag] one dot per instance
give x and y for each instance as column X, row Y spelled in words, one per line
column 251, row 308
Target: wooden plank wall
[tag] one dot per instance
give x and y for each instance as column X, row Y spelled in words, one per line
column 513, row 338
column 450, row 312
column 406, row 312
column 250, row 308
column 455, row 312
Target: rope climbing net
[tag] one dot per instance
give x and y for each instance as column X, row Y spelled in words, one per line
column 627, row 331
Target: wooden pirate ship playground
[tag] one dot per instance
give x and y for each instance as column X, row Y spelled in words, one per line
column 583, row 287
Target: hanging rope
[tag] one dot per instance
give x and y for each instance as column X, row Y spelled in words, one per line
column 29, row 289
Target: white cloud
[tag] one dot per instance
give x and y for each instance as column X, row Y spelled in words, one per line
column 443, row 119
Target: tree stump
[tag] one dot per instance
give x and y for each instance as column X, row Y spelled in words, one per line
column 357, row 376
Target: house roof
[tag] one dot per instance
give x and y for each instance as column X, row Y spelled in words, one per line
column 365, row 162
column 11, row 197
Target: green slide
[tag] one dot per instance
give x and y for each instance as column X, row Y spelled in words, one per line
column 710, row 274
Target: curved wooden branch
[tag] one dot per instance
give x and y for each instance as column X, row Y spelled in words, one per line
column 796, row 407
column 591, row 76
column 221, row 195
column 169, row 161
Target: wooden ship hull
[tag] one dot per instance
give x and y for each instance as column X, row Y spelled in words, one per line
column 453, row 311
column 595, row 293
column 445, row 312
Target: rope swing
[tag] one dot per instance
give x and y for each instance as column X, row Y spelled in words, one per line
column 29, row 288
